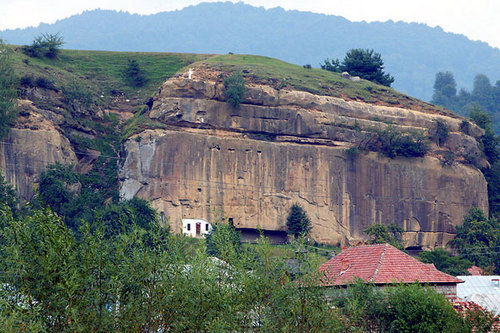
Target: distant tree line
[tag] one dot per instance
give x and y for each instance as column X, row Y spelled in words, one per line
column 484, row 96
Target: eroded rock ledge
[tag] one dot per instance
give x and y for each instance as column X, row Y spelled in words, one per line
column 284, row 147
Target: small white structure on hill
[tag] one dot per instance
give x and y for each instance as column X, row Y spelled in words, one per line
column 195, row 227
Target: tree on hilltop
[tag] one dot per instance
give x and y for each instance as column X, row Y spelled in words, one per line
column 365, row 63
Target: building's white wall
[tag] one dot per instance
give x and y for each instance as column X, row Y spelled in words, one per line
column 189, row 227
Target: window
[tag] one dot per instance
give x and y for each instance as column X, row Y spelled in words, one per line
column 206, row 227
column 230, row 220
column 188, row 226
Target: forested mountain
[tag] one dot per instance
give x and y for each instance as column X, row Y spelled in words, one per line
column 413, row 53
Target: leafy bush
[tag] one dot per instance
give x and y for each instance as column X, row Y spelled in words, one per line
column 27, row 81
column 400, row 308
column 223, row 241
column 234, row 89
column 381, row 234
column 445, row 262
column 465, row 127
column 395, row 143
column 45, row 45
column 441, row 132
column 45, row 83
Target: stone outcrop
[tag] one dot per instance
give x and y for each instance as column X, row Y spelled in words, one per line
column 281, row 147
column 33, row 144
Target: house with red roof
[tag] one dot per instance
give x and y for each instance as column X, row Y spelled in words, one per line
column 383, row 264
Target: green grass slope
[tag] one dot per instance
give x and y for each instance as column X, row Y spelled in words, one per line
column 103, row 71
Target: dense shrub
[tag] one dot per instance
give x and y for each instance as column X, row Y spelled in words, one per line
column 441, row 132
column 234, row 89
column 465, row 127
column 45, row 83
column 27, row 81
column 395, row 143
column 381, row 234
column 223, row 241
column 401, row 308
column 45, row 45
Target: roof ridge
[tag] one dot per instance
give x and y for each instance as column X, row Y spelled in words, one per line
column 379, row 263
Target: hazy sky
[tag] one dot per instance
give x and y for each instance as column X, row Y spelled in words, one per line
column 476, row 19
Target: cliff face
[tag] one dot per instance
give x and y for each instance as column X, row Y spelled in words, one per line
column 282, row 147
column 33, row 144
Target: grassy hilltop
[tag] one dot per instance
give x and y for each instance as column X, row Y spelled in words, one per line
column 103, row 74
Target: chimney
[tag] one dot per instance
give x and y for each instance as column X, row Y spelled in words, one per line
column 344, row 264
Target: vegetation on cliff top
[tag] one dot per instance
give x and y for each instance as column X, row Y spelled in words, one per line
column 280, row 74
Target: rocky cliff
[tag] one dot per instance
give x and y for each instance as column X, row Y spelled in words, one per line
column 34, row 143
column 282, row 146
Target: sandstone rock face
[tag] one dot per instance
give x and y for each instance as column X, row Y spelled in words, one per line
column 284, row 147
column 30, row 147
column 25, row 154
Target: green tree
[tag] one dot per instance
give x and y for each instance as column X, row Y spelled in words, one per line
column 489, row 140
column 365, row 63
column 445, row 90
column 445, row 84
column 134, row 75
column 397, row 308
column 223, row 241
column 477, row 239
column 298, row 222
column 116, row 218
column 8, row 92
column 234, row 89
column 331, row 65
column 381, row 234
column 444, row 261
column 8, row 195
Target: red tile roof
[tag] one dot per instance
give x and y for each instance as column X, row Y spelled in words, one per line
column 380, row 264
column 465, row 307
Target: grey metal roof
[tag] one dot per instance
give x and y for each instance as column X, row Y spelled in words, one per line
column 483, row 290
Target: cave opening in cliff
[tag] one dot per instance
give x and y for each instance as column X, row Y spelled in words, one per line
column 250, row 235
column 414, row 250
